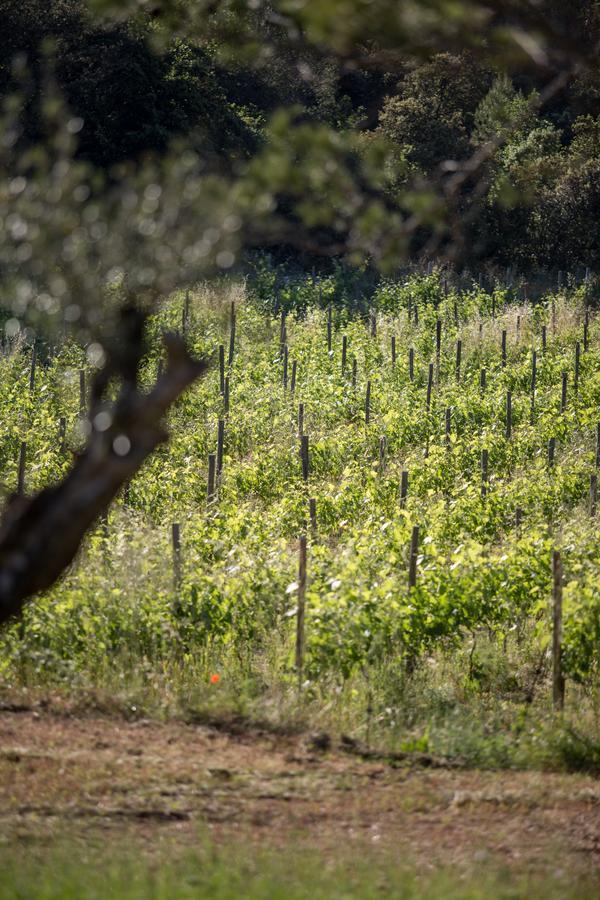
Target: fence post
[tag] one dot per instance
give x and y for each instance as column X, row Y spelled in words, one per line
column 551, row 451
column 414, row 553
column 220, row 446
column 533, row 385
column 577, row 367
column 448, row 428
column 504, row 349
column 393, row 349
column 282, row 333
column 210, row 487
column 221, row 369
column 518, row 519
column 176, row 540
column 232, row 324
column 563, row 396
column 458, row 360
column 301, row 609
column 593, row 494
column 304, row 456
column 544, row 338
column 285, row 367
column 354, row 372
column 411, row 363
column 226, row 396
column 373, row 324
column 558, row 681
column 22, row 463
column 483, row 380
column 300, row 419
column 293, row 381
column 403, row 488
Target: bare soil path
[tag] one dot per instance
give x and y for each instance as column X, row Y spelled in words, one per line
column 153, row 781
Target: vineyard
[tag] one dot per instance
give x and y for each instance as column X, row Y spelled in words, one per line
column 345, row 495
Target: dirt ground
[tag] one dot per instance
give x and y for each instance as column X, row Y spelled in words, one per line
column 155, row 782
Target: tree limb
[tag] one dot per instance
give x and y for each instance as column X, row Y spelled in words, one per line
column 40, row 535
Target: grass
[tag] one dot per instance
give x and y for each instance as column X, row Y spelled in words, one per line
column 487, row 708
column 66, row 872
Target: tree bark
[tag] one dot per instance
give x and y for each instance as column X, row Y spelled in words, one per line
column 40, row 535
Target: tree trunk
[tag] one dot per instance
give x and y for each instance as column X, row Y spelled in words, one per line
column 40, row 535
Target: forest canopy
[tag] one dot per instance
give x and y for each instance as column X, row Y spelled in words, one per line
column 139, row 81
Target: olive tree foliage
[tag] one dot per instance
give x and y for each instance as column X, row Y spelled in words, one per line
column 95, row 251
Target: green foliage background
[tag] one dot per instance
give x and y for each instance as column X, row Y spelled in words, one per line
column 478, row 571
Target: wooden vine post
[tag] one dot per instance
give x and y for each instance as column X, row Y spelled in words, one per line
column 304, row 456
column 593, row 494
column 403, row 488
column 22, row 464
column 284, row 377
column 294, row 373
column 220, row 446
column 232, row 325
column 221, row 369
column 558, row 681
column 211, row 482
column 226, row 396
column 414, row 555
column 300, row 614
column 176, row 541
column 533, row 385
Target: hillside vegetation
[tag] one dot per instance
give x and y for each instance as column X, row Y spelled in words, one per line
column 135, row 615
